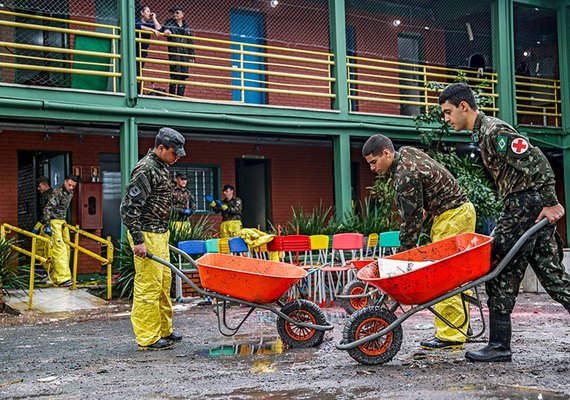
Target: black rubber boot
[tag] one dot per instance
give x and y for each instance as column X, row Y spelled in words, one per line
column 172, row 88
column 499, row 347
column 181, row 89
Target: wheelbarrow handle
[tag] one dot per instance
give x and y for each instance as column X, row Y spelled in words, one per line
column 517, row 246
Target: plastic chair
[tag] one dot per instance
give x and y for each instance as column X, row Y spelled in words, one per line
column 212, row 246
column 372, row 244
column 223, row 246
column 238, row 246
column 389, row 241
column 293, row 246
column 320, row 243
column 338, row 275
column 192, row 248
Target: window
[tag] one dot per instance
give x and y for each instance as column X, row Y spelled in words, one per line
column 201, row 181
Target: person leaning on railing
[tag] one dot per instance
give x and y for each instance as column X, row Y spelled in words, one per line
column 146, row 21
column 178, row 26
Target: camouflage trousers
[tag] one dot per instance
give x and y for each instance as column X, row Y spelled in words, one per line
column 542, row 251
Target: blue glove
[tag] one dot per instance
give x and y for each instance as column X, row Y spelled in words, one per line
column 219, row 203
column 47, row 230
column 187, row 211
column 209, row 198
column 37, row 228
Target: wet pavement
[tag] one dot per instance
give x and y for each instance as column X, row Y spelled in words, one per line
column 91, row 354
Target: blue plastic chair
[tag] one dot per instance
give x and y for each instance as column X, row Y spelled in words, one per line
column 193, row 247
column 239, row 246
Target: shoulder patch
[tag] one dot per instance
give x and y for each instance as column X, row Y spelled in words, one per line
column 134, row 191
column 502, row 143
column 519, row 146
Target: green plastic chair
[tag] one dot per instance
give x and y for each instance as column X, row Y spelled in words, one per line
column 389, row 241
column 212, row 246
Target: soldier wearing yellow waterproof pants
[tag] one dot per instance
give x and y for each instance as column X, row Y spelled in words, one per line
column 54, row 215
column 145, row 210
column 231, row 208
column 425, row 189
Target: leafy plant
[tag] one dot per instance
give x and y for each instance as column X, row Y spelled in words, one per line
column 11, row 274
column 375, row 216
column 319, row 221
column 199, row 228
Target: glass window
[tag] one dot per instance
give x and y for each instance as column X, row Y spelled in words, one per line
column 201, row 181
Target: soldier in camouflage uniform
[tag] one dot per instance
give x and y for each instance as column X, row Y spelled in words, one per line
column 231, row 208
column 183, row 202
column 424, row 190
column 145, row 211
column 525, row 181
column 54, row 215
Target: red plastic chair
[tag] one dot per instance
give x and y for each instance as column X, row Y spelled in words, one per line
column 337, row 274
column 298, row 248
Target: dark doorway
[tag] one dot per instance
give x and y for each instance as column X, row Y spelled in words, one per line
column 31, row 165
column 252, row 186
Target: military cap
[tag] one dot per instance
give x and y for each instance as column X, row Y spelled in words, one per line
column 172, row 138
column 43, row 179
column 181, row 175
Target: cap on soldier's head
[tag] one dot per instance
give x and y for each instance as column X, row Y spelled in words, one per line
column 172, row 138
column 43, row 179
column 181, row 175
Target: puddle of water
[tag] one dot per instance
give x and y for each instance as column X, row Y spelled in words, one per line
column 263, row 345
column 505, row 392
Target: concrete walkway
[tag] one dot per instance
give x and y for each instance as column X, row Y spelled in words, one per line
column 54, row 299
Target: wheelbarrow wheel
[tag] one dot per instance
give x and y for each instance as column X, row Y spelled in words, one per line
column 298, row 336
column 353, row 288
column 366, row 322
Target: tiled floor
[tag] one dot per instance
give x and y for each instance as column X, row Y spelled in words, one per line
column 48, row 300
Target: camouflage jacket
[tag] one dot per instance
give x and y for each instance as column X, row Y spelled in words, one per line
column 233, row 212
column 44, row 197
column 182, row 198
column 422, row 185
column 57, row 205
column 514, row 163
column 147, row 202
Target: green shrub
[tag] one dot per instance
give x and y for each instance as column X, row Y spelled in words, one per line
column 200, row 228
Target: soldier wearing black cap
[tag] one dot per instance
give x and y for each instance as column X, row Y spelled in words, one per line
column 178, row 50
column 182, row 200
column 145, row 211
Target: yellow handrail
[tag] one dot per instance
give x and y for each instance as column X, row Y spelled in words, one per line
column 53, row 19
column 7, row 228
column 108, row 261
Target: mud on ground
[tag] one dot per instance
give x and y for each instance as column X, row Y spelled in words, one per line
column 92, row 355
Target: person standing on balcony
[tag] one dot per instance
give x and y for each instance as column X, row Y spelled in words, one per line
column 231, row 209
column 182, row 200
column 55, row 212
column 146, row 21
column 526, row 183
column 426, row 189
column 145, row 211
column 182, row 55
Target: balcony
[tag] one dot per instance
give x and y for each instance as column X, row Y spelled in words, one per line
column 284, row 70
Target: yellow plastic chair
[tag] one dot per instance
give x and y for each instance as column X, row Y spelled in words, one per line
column 372, row 244
column 224, row 245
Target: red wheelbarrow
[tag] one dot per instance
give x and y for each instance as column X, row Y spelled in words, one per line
column 373, row 335
column 357, row 294
column 257, row 284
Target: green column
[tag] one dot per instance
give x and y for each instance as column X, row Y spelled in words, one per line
column 129, row 144
column 503, row 58
column 342, row 183
column 337, row 24
column 128, row 51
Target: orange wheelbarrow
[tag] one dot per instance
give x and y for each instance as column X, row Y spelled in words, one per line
column 373, row 335
column 256, row 283
column 357, row 294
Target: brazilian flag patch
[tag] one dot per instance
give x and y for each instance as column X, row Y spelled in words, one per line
column 502, row 144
